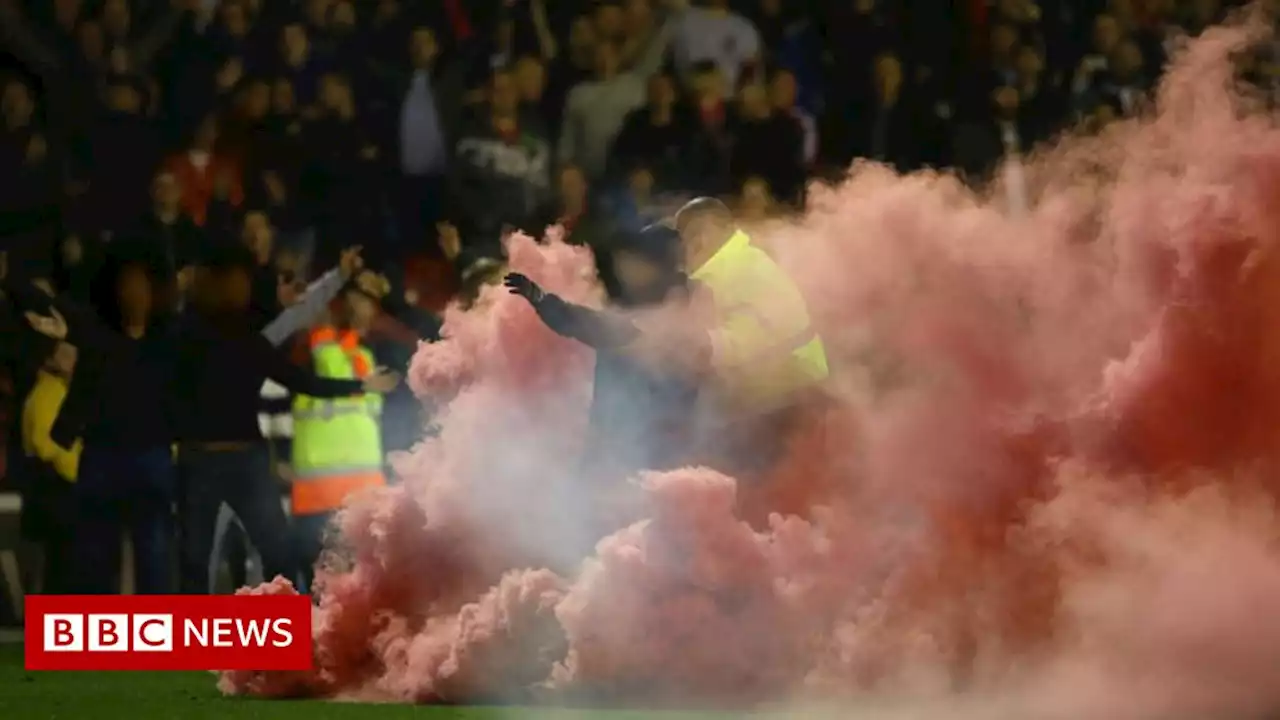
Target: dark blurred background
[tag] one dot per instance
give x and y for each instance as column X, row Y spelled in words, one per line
column 424, row 129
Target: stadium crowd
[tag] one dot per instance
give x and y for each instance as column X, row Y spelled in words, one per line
column 424, row 131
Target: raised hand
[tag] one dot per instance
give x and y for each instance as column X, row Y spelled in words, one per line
column 450, row 240
column 373, row 284
column 288, row 290
column 51, row 326
column 382, row 381
column 351, row 262
column 521, row 285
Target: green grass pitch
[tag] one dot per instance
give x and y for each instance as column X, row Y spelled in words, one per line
column 192, row 696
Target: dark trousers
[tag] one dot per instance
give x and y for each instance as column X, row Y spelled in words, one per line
column 49, row 520
column 309, row 534
column 119, row 491
column 236, row 550
column 417, row 207
column 242, row 479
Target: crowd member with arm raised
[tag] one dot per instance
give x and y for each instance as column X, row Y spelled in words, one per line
column 638, row 412
column 222, row 456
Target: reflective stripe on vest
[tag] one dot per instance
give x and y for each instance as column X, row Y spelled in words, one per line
column 319, row 409
column 337, row 446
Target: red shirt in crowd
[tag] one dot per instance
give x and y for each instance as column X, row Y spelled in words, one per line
column 199, row 175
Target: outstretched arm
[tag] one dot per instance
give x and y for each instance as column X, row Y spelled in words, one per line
column 599, row 329
column 596, row 328
column 61, row 318
column 311, row 305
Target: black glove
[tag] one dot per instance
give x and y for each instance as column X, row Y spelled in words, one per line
column 518, row 284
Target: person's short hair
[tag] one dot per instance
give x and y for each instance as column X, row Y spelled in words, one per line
column 703, row 207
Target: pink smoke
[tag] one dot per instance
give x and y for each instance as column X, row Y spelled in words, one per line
column 1045, row 477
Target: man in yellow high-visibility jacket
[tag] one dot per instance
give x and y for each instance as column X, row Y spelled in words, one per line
column 763, row 355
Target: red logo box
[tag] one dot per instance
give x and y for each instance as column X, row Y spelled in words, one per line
column 168, row 632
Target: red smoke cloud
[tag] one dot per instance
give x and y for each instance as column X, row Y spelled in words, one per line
column 1045, row 477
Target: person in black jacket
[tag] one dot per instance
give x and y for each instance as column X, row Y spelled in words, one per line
column 637, row 416
column 223, row 458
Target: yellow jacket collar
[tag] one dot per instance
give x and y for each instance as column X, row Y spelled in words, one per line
column 736, row 242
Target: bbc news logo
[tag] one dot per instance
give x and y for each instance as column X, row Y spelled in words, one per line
column 180, row 632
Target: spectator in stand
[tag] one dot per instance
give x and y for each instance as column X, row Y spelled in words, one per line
column 316, row 15
column 596, row 110
column 48, row 507
column 609, row 21
column 227, row 78
column 1003, row 53
column 1127, row 78
column 661, row 136
column 711, row 122
column 1106, row 36
column 67, row 17
column 90, row 56
column 168, row 230
column 1023, row 16
column 646, row 37
column 123, row 154
column 30, row 167
column 247, row 138
column 139, row 49
column 428, row 118
column 766, row 143
column 1040, row 105
column 1150, row 23
column 73, row 267
column 341, row 171
column 980, row 145
column 570, row 67
column 531, row 83
column 269, row 291
column 347, row 42
column 204, row 175
column 286, row 147
column 300, row 66
column 641, row 203
column 501, row 171
column 573, row 210
column 716, row 33
column 855, row 33
column 885, row 129
column 784, row 95
column 793, row 44
column 232, row 35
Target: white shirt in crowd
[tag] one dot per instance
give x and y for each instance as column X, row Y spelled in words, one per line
column 726, row 38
